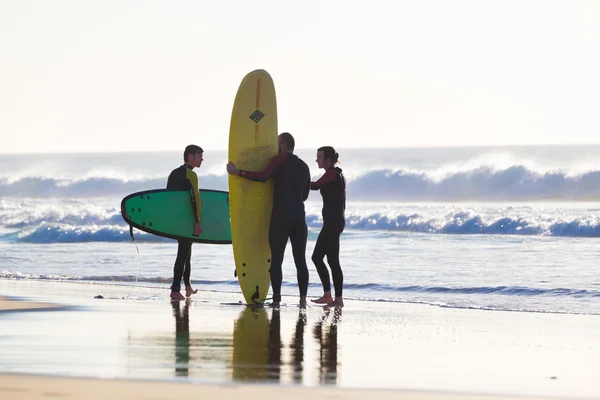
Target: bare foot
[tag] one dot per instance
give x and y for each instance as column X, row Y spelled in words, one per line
column 177, row 296
column 326, row 299
column 338, row 302
column 303, row 302
column 189, row 291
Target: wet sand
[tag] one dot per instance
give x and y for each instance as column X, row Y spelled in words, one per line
column 25, row 387
column 137, row 341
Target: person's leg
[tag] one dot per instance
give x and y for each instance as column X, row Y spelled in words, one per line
column 186, row 275
column 183, row 250
column 298, row 237
column 187, row 270
column 333, row 259
column 278, row 237
column 317, row 258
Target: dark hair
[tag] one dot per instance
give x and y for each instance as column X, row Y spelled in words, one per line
column 329, row 152
column 288, row 140
column 191, row 149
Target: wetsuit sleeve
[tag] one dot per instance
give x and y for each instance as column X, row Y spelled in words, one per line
column 196, row 202
column 264, row 175
column 328, row 177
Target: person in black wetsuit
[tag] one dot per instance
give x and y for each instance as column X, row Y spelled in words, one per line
column 184, row 178
column 333, row 190
column 291, row 186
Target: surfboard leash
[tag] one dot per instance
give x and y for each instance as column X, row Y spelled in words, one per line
column 132, row 238
column 138, row 261
column 157, row 294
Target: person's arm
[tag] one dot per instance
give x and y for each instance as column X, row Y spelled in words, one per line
column 196, row 201
column 259, row 176
column 328, row 177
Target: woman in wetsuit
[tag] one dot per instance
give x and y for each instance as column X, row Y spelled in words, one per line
column 333, row 190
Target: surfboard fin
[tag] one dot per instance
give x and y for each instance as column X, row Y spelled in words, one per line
column 256, row 296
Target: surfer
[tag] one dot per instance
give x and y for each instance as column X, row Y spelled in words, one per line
column 333, row 190
column 291, row 186
column 184, row 178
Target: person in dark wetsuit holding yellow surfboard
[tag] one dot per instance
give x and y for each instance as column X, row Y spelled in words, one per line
column 333, row 189
column 291, row 186
column 184, row 178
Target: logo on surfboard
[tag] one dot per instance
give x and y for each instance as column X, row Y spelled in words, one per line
column 257, row 116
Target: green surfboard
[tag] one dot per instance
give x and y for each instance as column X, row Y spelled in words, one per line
column 169, row 213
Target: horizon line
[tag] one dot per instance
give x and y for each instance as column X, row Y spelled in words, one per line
column 307, row 148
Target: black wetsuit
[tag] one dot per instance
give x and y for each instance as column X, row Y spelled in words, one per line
column 291, row 185
column 184, row 178
column 333, row 189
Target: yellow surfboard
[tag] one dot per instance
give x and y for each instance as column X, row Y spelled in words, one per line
column 252, row 144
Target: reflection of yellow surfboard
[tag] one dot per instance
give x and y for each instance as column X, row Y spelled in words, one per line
column 251, row 345
column 252, row 144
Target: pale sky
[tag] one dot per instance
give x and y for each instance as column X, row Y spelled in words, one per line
column 88, row 76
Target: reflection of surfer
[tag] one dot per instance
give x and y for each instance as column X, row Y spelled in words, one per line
column 182, row 338
column 275, row 346
column 327, row 340
column 297, row 346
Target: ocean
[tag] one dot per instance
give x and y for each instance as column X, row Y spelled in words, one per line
column 511, row 228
